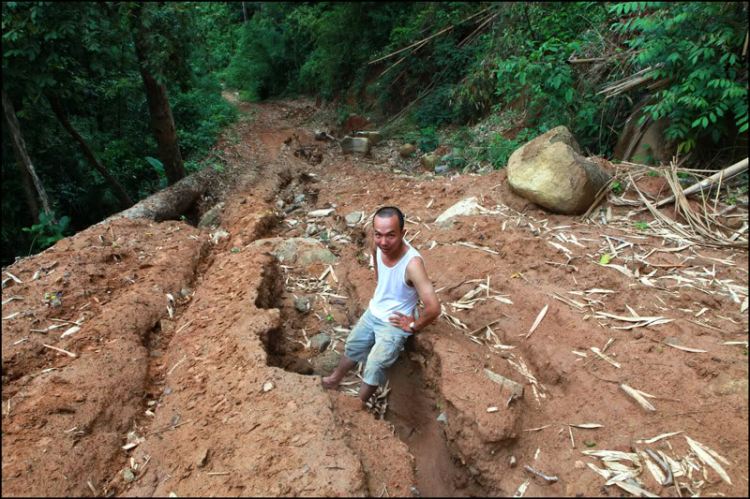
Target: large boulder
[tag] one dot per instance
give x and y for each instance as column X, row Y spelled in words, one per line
column 551, row 172
column 374, row 137
column 358, row 145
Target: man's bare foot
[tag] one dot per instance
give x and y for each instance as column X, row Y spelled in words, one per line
column 330, row 383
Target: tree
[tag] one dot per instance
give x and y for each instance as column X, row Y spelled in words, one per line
column 24, row 163
column 162, row 122
column 62, row 115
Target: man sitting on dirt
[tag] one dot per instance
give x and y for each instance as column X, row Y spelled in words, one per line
column 380, row 334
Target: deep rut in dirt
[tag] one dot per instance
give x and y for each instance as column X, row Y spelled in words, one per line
column 412, row 411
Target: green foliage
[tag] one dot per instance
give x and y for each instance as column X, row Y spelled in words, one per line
column 617, row 188
column 640, row 225
column 428, row 140
column 47, row 232
column 697, row 46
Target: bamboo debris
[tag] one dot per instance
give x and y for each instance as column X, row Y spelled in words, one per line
column 725, row 174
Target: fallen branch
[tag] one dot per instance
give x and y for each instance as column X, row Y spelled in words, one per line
column 724, row 175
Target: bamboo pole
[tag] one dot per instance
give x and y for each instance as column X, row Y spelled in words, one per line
column 724, row 174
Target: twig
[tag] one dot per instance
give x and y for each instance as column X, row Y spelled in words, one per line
column 69, row 354
column 550, row 479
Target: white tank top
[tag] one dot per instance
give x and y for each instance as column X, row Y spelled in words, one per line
column 392, row 293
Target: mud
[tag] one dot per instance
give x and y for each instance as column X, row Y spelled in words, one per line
column 221, row 396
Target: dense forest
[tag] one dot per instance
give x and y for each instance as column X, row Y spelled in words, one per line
column 106, row 103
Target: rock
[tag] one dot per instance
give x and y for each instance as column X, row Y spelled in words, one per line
column 511, row 385
column 301, row 366
column 441, row 169
column 299, row 250
column 358, row 145
column 443, row 417
column 280, row 204
column 202, row 459
column 463, row 208
column 374, row 137
column 56, row 303
column 128, row 475
column 302, row 305
column 407, row 150
column 551, row 172
column 580, row 465
column 473, row 471
column 320, row 341
column 311, row 229
column 320, row 213
column 212, row 217
column 354, row 218
column 327, row 362
column 219, row 235
column 186, row 292
column 429, row 161
column 268, row 386
column 299, row 198
column 512, row 461
column 354, row 123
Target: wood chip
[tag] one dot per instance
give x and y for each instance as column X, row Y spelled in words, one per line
column 686, row 349
column 69, row 354
column 707, row 456
column 587, row 426
column 639, row 396
column 538, row 320
column 605, row 357
column 16, row 279
column 70, row 331
column 658, row 437
column 522, row 488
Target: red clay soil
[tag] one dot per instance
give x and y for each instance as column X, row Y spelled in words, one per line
column 211, row 393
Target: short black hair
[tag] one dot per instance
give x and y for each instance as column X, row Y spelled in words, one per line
column 390, row 211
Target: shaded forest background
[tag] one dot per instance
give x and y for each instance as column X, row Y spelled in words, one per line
column 94, row 86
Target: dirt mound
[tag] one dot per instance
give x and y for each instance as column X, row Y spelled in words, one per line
column 208, row 392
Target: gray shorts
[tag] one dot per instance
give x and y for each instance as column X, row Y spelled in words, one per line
column 377, row 344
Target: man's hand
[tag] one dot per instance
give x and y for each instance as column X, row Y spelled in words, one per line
column 402, row 321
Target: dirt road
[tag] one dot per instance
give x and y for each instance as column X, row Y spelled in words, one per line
column 183, row 361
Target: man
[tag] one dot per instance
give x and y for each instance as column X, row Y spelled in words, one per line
column 379, row 336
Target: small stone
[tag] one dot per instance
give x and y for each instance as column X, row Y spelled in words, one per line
column 407, row 150
column 320, row 341
column 443, row 417
column 441, row 169
column 56, row 303
column 268, row 386
column 473, row 471
column 302, row 305
column 639, row 335
column 327, row 362
column 202, row 459
column 512, row 461
column 280, row 204
column 311, row 229
column 580, row 465
column 186, row 292
column 299, row 198
column 128, row 475
column 167, row 391
column 415, row 491
column 354, row 218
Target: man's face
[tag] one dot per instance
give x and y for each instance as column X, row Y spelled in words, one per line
column 388, row 234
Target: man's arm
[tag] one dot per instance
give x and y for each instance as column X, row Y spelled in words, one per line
column 417, row 274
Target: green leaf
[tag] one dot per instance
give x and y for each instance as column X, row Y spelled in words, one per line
column 589, row 444
column 605, row 259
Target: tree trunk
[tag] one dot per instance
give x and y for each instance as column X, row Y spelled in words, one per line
column 93, row 160
column 170, row 202
column 24, row 163
column 162, row 122
column 244, row 11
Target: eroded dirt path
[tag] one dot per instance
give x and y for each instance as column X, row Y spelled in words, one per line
column 221, row 395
